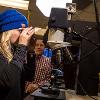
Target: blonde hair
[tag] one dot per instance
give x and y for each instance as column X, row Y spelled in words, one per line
column 5, row 45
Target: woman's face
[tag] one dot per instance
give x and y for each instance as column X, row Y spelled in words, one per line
column 39, row 47
column 14, row 36
column 16, row 33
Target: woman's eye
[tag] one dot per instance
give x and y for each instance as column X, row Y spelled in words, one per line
column 20, row 30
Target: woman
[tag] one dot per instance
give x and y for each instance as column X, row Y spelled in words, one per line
column 14, row 32
column 42, row 67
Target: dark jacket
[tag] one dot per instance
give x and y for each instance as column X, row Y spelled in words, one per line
column 28, row 71
column 10, row 75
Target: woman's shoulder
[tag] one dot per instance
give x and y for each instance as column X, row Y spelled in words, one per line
column 3, row 63
column 2, row 57
column 3, row 60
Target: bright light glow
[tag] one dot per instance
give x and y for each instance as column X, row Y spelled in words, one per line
column 40, row 31
column 46, row 5
column 20, row 4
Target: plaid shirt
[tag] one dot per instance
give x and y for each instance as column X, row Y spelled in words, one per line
column 43, row 70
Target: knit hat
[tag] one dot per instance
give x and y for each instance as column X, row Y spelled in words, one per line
column 12, row 19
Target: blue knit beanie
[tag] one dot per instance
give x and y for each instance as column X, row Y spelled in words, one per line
column 12, row 19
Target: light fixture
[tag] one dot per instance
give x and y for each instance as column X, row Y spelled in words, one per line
column 20, row 4
column 46, row 5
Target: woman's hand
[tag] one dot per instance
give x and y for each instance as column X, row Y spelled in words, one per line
column 31, row 88
column 26, row 35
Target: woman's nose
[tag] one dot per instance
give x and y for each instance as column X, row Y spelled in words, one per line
column 39, row 46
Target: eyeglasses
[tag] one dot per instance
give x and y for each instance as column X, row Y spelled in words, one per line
column 20, row 30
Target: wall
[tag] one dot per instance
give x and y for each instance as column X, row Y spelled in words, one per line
column 85, row 12
column 25, row 12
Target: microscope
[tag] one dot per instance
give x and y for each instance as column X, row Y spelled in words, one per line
column 55, row 83
column 55, row 39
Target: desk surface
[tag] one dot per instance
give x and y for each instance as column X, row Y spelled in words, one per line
column 69, row 96
column 38, row 94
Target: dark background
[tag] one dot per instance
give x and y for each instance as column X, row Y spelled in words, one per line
column 89, row 67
